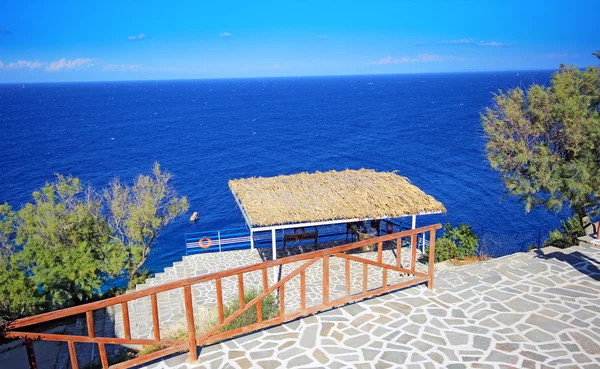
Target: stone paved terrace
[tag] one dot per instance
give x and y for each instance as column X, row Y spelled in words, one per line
column 170, row 304
column 527, row 310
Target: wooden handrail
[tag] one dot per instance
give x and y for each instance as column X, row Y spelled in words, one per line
column 81, row 309
column 214, row 334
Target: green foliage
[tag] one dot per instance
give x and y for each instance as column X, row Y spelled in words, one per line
column 65, row 241
column 139, row 213
column 545, row 142
column 270, row 309
column 456, row 243
column 566, row 235
column 64, row 246
column 19, row 295
column 7, row 230
column 209, row 319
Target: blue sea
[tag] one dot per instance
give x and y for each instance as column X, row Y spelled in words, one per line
column 205, row 132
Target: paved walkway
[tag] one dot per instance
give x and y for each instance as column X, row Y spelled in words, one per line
column 528, row 310
column 170, row 304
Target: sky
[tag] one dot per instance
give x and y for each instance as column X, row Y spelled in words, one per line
column 47, row 41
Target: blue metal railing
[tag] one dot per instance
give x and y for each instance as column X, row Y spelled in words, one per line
column 239, row 238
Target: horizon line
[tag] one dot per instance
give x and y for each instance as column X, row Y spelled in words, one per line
column 276, row 77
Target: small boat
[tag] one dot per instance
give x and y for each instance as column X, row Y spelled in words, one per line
column 194, row 217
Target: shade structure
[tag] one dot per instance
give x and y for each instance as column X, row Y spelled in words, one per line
column 329, row 196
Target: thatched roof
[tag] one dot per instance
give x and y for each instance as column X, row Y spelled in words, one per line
column 325, row 196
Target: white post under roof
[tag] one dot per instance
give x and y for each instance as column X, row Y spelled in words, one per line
column 288, row 201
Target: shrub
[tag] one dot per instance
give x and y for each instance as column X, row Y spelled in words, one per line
column 456, row 243
column 566, row 235
column 209, row 318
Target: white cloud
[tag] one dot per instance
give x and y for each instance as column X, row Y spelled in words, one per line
column 121, row 68
column 22, row 64
column 458, row 42
column 424, row 58
column 421, row 58
column 492, row 43
column 386, row 60
column 77, row 64
column 141, row 36
column 225, row 34
column 1, row 64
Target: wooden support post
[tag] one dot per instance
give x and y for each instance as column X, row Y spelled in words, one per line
column 303, row 290
column 380, row 252
column 241, row 290
column 413, row 250
column 155, row 322
column 259, row 318
column 399, row 252
column 365, row 277
column 385, row 282
column 189, row 315
column 126, row 324
column 89, row 318
column 325, row 279
column 73, row 355
column 431, row 265
column 103, row 357
column 274, row 249
column 282, row 301
column 347, row 277
column 30, row 353
column 220, row 301
column 265, row 279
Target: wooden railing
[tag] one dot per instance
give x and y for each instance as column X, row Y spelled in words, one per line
column 215, row 333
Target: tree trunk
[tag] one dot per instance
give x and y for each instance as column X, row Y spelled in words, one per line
column 581, row 213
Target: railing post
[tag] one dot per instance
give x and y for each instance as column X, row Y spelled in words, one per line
column 399, row 252
column 325, row 279
column 191, row 330
column 380, row 252
column 155, row 322
column 347, row 265
column 281, row 301
column 365, row 277
column 30, row 353
column 220, row 300
column 430, row 266
column 241, row 290
column 89, row 317
column 73, row 355
column 126, row 324
column 303, row 290
column 413, row 257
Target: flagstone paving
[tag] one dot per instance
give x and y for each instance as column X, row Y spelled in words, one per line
column 170, row 304
column 527, row 310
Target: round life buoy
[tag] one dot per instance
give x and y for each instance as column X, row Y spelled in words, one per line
column 299, row 229
column 389, row 227
column 205, row 242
